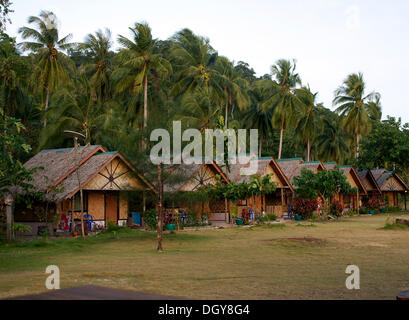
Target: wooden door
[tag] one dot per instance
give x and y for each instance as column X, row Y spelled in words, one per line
column 111, row 207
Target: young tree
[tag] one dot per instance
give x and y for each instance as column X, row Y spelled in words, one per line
column 324, row 184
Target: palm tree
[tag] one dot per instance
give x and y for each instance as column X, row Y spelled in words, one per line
column 235, row 87
column 283, row 102
column 73, row 108
column 13, row 70
column 98, row 46
column 51, row 64
column 195, row 61
column 309, row 120
column 197, row 110
column 140, row 59
column 355, row 107
column 332, row 143
column 258, row 117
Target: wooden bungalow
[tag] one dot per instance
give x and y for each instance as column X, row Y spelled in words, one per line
column 105, row 177
column 349, row 201
column 371, row 186
column 191, row 177
column 391, row 185
column 278, row 201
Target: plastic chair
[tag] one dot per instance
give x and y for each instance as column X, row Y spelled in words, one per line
column 89, row 220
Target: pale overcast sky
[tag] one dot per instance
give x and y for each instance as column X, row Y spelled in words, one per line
column 328, row 38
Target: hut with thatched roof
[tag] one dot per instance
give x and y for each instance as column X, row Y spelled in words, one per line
column 184, row 178
column 106, row 179
column 391, row 185
column 276, row 202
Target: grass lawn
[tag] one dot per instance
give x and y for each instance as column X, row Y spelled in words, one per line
column 295, row 261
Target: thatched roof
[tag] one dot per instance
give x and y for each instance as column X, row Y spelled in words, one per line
column 58, row 175
column 330, row 165
column 288, row 166
column 178, row 175
column 377, row 173
column 366, row 175
column 312, row 165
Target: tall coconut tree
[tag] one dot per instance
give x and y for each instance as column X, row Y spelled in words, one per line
column 332, row 142
column 51, row 64
column 194, row 60
column 73, row 108
column 234, row 86
column 257, row 117
column 355, row 107
column 98, row 46
column 284, row 103
column 309, row 117
column 140, row 59
column 13, row 71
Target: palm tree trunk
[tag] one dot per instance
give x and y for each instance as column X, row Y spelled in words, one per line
column 281, row 140
column 160, row 213
column 46, row 105
column 357, row 146
column 308, row 150
column 145, row 102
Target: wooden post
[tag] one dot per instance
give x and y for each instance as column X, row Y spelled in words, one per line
column 9, row 201
column 143, row 201
column 357, row 202
column 282, row 200
column 225, row 210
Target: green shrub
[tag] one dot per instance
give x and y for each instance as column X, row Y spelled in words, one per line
column 271, row 217
column 150, row 217
column 112, row 226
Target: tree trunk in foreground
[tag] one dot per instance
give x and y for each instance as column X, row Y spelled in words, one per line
column 160, row 213
column 9, row 201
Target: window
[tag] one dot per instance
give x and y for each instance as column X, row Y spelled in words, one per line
column 77, row 201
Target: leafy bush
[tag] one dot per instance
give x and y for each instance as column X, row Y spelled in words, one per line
column 304, row 207
column 112, row 226
column 336, row 209
column 393, row 209
column 262, row 218
column 271, row 217
column 20, row 227
column 150, row 218
column 364, row 210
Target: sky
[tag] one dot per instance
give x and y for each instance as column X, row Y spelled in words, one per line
column 328, row 38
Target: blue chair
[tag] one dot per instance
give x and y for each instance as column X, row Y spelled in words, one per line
column 90, row 220
column 137, row 218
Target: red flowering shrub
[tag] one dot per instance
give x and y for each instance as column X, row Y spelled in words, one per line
column 304, row 207
column 374, row 202
column 336, row 208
